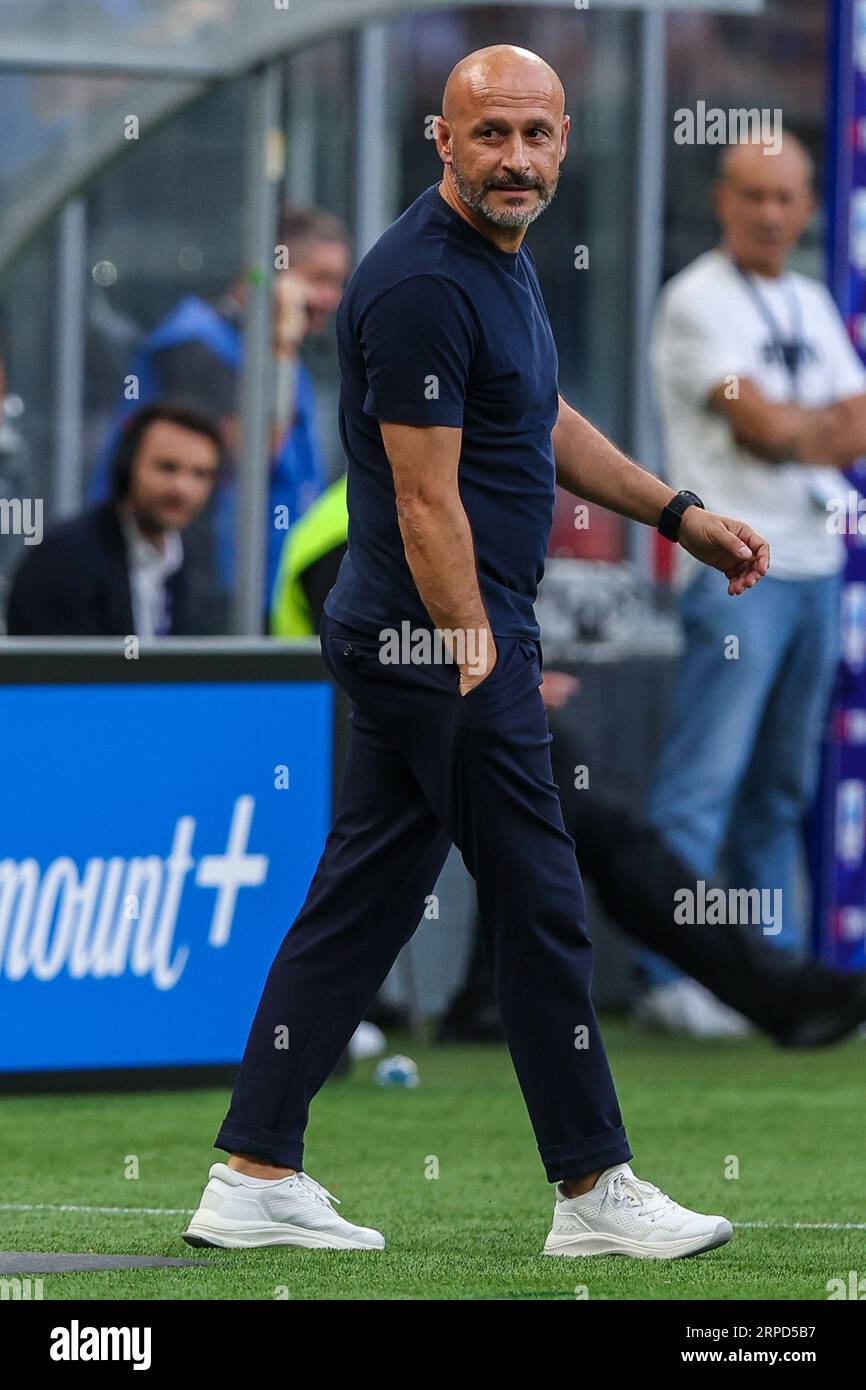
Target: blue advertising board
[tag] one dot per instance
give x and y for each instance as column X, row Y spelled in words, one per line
column 156, row 841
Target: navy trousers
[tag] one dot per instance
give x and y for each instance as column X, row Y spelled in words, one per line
column 427, row 766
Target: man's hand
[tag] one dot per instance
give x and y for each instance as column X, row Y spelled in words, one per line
column 290, row 312
column 476, row 672
column 727, row 545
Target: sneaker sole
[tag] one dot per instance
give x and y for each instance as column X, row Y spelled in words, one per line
column 595, row 1243
column 239, row 1236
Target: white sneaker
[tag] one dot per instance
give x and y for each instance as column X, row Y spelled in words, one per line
column 623, row 1216
column 684, row 1006
column 238, row 1213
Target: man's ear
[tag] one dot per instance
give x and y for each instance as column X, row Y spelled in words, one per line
column 563, row 141
column 443, row 139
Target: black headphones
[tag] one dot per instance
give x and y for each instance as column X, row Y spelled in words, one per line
column 125, row 450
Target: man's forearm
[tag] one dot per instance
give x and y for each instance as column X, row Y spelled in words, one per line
column 440, row 553
column 437, row 540
column 784, row 432
column 848, row 441
column 787, row 433
column 589, row 466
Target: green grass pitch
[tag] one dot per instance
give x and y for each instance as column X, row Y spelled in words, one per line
column 794, row 1124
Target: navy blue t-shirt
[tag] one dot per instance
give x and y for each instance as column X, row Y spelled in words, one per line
column 438, row 326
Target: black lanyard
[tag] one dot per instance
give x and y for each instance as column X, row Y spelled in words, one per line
column 789, row 349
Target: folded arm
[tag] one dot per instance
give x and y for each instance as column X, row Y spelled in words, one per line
column 784, row 432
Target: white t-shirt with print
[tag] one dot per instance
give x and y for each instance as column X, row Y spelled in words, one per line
column 711, row 325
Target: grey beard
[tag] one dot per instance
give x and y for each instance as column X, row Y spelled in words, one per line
column 506, row 217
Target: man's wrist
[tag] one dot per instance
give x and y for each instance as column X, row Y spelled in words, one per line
column 672, row 514
column 285, row 345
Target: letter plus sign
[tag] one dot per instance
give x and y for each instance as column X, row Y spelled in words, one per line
column 230, row 871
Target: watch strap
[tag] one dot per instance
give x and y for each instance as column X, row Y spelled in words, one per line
column 672, row 514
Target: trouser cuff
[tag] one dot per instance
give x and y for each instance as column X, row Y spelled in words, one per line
column 574, row 1159
column 261, row 1143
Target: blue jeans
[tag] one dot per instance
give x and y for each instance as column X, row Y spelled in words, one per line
column 740, row 760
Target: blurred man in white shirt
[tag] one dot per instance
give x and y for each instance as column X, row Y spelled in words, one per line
column 763, row 400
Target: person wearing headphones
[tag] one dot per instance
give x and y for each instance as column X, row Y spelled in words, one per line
column 195, row 353
column 120, row 568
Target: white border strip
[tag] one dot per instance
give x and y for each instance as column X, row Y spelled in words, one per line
column 188, row 1211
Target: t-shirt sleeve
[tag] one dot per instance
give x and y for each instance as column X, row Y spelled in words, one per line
column 418, row 341
column 695, row 349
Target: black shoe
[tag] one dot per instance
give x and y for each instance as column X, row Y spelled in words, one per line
column 831, row 1020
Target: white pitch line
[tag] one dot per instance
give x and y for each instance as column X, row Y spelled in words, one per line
column 188, row 1211
column 102, row 1211
column 800, row 1225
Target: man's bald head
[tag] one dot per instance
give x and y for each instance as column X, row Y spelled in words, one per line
column 499, row 69
column 502, row 136
column 764, row 202
column 792, row 161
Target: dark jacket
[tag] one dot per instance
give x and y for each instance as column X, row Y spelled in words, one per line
column 76, row 583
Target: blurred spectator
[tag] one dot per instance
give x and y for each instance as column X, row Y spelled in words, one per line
column 196, row 352
column 762, row 398
column 120, row 568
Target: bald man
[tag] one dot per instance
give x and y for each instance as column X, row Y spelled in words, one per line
column 456, row 434
column 762, row 399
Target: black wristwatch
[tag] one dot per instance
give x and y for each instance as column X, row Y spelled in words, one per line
column 672, row 515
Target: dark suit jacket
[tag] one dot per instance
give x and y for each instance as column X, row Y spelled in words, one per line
column 76, row 583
